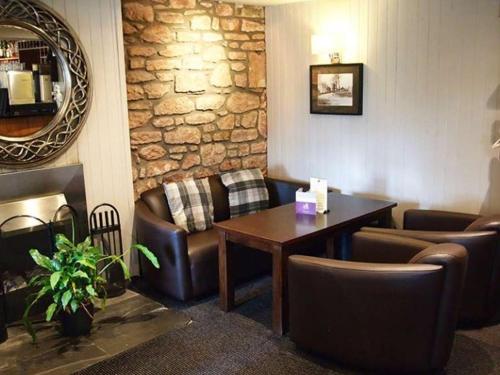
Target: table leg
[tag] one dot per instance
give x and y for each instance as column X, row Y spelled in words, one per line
column 330, row 247
column 280, row 292
column 385, row 221
column 344, row 241
column 226, row 285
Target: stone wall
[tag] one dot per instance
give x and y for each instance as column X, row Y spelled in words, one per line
column 196, row 86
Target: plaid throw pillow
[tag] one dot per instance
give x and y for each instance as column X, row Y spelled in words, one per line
column 247, row 192
column 190, row 203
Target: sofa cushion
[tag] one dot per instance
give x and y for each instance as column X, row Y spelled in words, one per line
column 247, row 192
column 190, row 203
column 280, row 192
column 201, row 243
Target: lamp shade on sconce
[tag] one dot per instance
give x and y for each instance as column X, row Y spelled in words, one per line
column 321, row 44
column 325, row 45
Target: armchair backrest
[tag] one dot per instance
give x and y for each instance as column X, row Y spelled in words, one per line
column 376, row 248
column 378, row 316
column 485, row 223
column 481, row 295
column 436, row 220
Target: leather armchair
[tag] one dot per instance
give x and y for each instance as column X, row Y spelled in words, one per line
column 385, row 317
column 480, row 236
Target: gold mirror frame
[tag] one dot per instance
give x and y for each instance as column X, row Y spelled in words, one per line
column 64, row 128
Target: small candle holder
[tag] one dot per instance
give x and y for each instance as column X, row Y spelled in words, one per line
column 336, row 58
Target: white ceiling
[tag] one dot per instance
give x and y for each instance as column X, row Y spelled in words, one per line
column 264, row 2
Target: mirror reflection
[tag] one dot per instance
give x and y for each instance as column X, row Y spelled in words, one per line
column 31, row 82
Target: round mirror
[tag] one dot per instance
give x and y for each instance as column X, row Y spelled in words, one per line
column 45, row 84
column 32, row 86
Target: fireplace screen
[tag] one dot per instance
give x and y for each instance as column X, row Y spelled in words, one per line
column 39, row 193
column 19, row 234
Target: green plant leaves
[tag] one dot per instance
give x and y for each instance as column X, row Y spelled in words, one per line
column 80, row 274
column 56, row 264
column 54, row 279
column 74, row 305
column 72, row 277
column 90, row 290
column 50, row 312
column 85, row 244
column 26, row 320
column 38, row 280
column 62, row 243
column 148, row 254
column 67, row 295
column 126, row 272
column 41, row 260
column 86, row 262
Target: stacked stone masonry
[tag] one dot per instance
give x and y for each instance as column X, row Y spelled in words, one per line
column 196, row 87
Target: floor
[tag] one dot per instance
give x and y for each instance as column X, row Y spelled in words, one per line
column 242, row 342
column 136, row 335
column 127, row 321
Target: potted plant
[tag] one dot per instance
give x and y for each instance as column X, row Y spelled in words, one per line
column 72, row 280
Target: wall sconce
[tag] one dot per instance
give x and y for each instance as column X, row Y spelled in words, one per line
column 322, row 44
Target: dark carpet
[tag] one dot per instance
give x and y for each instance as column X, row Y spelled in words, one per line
column 241, row 342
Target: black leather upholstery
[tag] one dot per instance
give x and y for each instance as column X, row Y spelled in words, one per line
column 480, row 236
column 437, row 220
column 189, row 262
column 379, row 316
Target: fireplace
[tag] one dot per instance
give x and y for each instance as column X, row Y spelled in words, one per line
column 28, row 195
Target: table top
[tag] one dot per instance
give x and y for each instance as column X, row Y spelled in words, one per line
column 283, row 226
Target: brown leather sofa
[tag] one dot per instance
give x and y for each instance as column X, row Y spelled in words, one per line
column 382, row 317
column 480, row 236
column 189, row 262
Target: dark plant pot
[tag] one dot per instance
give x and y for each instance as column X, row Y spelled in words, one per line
column 78, row 323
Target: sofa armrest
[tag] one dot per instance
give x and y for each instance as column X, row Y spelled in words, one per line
column 169, row 243
column 385, row 248
column 437, row 220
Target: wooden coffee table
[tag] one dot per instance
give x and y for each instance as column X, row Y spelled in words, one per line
column 281, row 232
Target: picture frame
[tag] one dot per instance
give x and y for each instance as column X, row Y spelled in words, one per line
column 336, row 89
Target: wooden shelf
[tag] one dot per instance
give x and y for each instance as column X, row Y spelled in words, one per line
column 8, row 58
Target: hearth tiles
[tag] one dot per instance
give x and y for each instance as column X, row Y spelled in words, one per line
column 127, row 321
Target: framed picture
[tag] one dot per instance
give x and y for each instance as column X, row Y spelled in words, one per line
column 337, row 89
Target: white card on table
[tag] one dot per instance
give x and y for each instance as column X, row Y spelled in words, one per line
column 320, row 187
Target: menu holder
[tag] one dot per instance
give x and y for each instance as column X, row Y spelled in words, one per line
column 320, row 187
column 305, row 202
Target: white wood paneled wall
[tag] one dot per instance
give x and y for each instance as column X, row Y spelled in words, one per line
column 103, row 147
column 431, row 101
